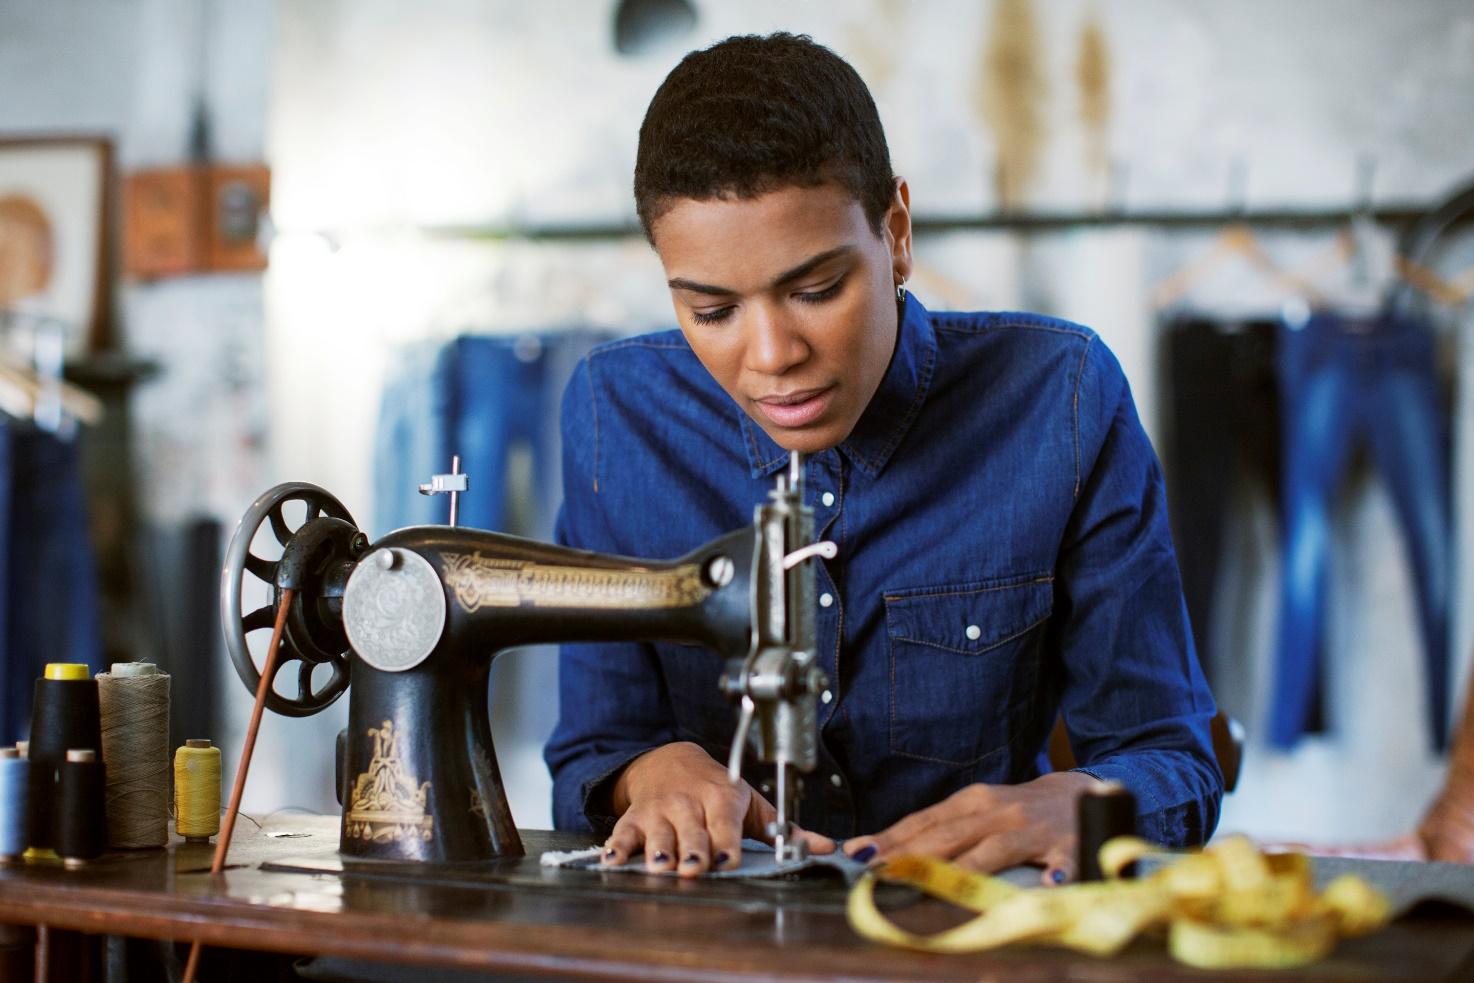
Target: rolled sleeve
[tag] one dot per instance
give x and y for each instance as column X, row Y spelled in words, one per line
column 1135, row 702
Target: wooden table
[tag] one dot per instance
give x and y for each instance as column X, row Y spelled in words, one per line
column 519, row 917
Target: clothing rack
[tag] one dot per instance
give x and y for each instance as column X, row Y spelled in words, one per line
column 1401, row 214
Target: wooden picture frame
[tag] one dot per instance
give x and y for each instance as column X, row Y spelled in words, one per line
column 55, row 225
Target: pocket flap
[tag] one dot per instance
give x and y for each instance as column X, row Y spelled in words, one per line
column 968, row 618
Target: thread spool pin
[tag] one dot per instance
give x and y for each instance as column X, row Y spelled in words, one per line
column 1103, row 814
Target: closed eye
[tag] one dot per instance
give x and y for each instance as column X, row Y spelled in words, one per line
column 711, row 317
column 820, row 296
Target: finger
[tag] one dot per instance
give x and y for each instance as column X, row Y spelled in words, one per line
column 725, row 831
column 998, row 852
column 760, row 812
column 956, row 806
column 816, row 842
column 1060, row 866
column 695, row 849
column 623, row 843
column 660, row 845
column 945, row 840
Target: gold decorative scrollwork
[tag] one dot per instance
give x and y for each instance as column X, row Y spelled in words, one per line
column 388, row 805
column 480, row 582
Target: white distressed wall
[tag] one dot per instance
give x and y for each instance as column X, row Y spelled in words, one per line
column 380, row 117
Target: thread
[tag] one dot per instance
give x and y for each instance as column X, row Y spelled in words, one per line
column 64, row 715
column 134, row 703
column 81, row 827
column 1104, row 814
column 197, row 790
column 14, row 772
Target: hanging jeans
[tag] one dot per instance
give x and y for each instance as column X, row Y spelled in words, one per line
column 482, row 398
column 486, row 399
column 1223, row 405
column 1343, row 381
column 49, row 601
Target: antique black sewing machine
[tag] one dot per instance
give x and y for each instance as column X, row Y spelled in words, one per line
column 415, row 619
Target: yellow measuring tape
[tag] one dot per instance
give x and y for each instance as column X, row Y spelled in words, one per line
column 1226, row 906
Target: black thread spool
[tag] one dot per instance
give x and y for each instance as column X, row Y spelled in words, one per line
column 1102, row 815
column 64, row 715
column 81, row 820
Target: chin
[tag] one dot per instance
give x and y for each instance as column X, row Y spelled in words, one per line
column 807, row 441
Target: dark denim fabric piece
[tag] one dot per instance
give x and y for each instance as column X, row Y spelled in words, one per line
column 1004, row 556
column 1346, row 380
column 49, row 600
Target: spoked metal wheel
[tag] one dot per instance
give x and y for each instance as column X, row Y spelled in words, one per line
column 316, row 557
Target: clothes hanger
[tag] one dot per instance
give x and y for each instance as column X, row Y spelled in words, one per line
column 26, row 393
column 1236, row 241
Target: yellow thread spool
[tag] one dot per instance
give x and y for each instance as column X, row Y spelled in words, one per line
column 67, row 670
column 197, row 791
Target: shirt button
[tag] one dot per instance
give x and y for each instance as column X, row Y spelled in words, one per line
column 826, row 599
column 826, row 696
column 836, row 781
column 974, row 632
column 827, row 498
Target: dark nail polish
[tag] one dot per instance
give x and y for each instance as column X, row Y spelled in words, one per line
column 864, row 854
column 692, row 858
column 722, row 858
column 610, row 853
column 1058, row 876
column 660, row 857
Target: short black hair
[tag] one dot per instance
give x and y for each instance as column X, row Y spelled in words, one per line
column 753, row 114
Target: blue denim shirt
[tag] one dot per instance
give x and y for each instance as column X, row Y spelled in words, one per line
column 1004, row 557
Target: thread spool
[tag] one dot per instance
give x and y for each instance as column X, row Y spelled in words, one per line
column 23, row 751
column 81, row 826
column 14, row 772
column 64, row 715
column 197, row 791
column 134, row 703
column 1103, row 814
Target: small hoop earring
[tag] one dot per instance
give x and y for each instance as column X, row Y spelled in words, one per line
column 901, row 293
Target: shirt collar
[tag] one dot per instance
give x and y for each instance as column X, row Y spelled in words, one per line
column 892, row 409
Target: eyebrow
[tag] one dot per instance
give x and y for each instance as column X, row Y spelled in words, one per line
column 803, row 269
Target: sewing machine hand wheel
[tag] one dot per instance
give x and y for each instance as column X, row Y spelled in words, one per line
column 316, row 559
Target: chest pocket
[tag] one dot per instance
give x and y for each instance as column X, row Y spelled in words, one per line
column 963, row 661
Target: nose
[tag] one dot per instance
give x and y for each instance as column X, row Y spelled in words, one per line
column 774, row 343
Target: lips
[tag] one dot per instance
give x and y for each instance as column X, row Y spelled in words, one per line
column 796, row 409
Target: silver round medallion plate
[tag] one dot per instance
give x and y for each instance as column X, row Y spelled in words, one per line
column 394, row 609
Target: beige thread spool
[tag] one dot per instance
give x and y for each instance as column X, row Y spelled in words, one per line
column 134, row 700
column 197, row 791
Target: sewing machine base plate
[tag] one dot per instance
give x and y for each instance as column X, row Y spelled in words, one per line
column 816, row 891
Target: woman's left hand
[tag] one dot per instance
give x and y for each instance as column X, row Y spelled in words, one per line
column 991, row 827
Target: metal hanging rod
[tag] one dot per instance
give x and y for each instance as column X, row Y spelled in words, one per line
column 1398, row 214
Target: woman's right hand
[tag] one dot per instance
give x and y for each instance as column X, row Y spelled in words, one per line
column 679, row 811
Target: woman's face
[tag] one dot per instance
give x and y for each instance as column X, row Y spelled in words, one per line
column 789, row 301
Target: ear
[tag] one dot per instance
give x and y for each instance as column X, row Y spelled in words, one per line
column 898, row 230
